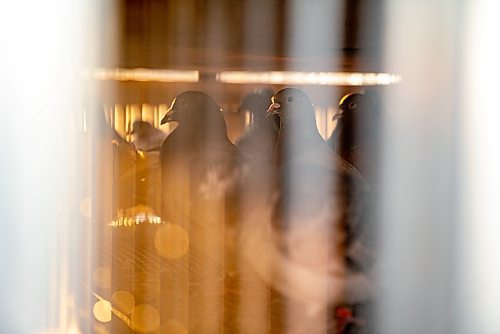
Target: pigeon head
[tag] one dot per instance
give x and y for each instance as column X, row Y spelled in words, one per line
column 357, row 114
column 355, row 136
column 140, row 127
column 352, row 104
column 290, row 103
column 194, row 107
column 350, row 101
column 257, row 103
column 140, row 130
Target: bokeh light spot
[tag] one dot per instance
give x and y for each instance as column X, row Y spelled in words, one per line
column 102, row 311
column 145, row 318
column 123, row 301
column 171, row 241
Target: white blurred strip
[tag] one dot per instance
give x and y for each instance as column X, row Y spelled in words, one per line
column 144, row 74
column 480, row 237
column 41, row 41
column 308, row 78
column 416, row 226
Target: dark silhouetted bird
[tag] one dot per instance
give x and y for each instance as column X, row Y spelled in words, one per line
column 260, row 138
column 146, row 137
column 299, row 137
column 197, row 172
column 297, row 232
column 199, row 143
column 355, row 137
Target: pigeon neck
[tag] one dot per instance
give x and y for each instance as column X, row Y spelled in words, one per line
column 200, row 134
column 297, row 137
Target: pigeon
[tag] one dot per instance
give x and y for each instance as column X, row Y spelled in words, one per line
column 299, row 137
column 199, row 143
column 260, row 138
column 297, row 231
column 355, row 137
column 198, row 166
column 146, row 137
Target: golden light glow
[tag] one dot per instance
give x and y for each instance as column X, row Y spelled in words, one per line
column 102, row 277
column 123, row 301
column 249, row 77
column 102, row 311
column 144, row 74
column 136, row 215
column 308, row 78
column 171, row 241
column 248, row 119
column 162, row 110
column 119, row 120
column 145, row 318
column 148, row 113
column 174, row 327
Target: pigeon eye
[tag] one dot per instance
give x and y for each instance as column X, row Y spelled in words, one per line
column 352, row 105
column 290, row 99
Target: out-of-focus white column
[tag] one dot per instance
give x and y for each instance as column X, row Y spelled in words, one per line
column 419, row 172
column 477, row 260
column 43, row 44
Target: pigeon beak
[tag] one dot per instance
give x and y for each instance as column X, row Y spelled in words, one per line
column 337, row 115
column 169, row 116
column 273, row 109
